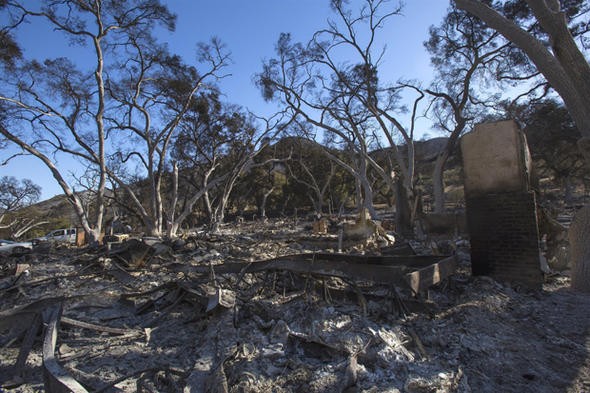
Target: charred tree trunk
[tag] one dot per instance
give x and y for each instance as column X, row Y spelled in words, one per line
column 579, row 235
column 403, row 211
column 438, row 184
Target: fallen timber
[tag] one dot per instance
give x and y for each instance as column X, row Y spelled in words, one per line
column 417, row 272
column 56, row 379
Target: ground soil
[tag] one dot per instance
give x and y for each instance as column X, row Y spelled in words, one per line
column 187, row 330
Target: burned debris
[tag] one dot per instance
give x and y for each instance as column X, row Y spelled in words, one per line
column 322, row 304
column 241, row 311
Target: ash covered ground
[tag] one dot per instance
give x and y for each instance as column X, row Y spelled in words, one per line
column 166, row 321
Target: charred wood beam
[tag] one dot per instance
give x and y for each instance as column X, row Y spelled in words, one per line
column 99, row 328
column 417, row 273
column 27, row 344
column 422, row 279
column 410, row 261
column 8, row 317
column 55, row 378
column 375, row 273
column 15, row 379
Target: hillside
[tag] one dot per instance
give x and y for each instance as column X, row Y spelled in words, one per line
column 60, row 212
column 56, row 211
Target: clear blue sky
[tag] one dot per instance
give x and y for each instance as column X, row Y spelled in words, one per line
column 250, row 30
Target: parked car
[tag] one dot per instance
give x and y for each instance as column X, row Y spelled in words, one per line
column 64, row 235
column 9, row 247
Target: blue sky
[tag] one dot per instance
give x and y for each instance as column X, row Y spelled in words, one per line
column 250, row 30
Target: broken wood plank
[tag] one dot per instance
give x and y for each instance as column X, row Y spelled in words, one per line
column 177, row 297
column 21, row 269
column 34, row 283
column 16, row 379
column 99, row 328
column 7, row 317
column 422, row 279
column 410, row 261
column 120, row 274
column 127, row 298
column 416, row 272
column 376, row 273
column 56, row 379
column 10, row 282
column 134, row 253
column 27, row 344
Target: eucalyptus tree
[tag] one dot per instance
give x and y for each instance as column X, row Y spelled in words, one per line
column 58, row 107
column 310, row 169
column 546, row 32
column 243, row 155
column 347, row 98
column 15, row 195
column 471, row 62
column 150, row 103
column 263, row 185
column 199, row 150
column 471, row 59
column 218, row 145
column 552, row 136
column 10, row 51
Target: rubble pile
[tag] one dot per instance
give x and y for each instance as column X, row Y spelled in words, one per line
column 164, row 317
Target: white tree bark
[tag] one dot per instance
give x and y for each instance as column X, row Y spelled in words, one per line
column 71, row 196
column 438, row 184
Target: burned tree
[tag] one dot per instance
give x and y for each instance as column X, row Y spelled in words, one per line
column 552, row 136
column 545, row 31
column 152, row 101
column 15, row 195
column 310, row 168
column 60, row 108
column 531, row 25
column 465, row 53
column 347, row 101
column 218, row 146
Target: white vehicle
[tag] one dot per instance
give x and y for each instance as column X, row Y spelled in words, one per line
column 65, row 235
column 8, row 247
